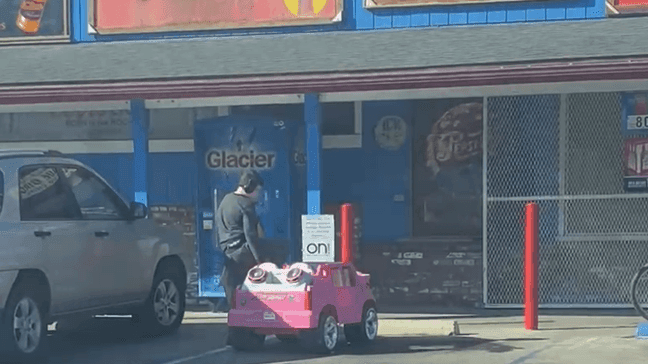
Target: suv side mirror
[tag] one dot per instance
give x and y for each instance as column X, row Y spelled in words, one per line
column 138, row 210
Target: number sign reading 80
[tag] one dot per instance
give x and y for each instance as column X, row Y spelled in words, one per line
column 637, row 122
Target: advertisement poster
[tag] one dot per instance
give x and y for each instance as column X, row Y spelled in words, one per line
column 447, row 170
column 628, row 6
column 636, row 165
column 134, row 16
column 33, row 20
column 635, row 113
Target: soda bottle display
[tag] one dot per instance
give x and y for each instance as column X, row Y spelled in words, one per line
column 29, row 16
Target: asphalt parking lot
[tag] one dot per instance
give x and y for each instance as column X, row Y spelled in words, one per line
column 402, row 339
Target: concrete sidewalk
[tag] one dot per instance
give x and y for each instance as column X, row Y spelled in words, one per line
column 412, row 338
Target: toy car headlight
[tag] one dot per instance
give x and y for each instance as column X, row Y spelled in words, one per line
column 294, row 274
column 257, row 275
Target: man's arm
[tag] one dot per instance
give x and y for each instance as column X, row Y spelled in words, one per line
column 251, row 234
column 260, row 230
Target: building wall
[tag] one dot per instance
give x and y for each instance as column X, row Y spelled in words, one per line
column 357, row 17
column 476, row 14
column 171, row 176
column 377, row 179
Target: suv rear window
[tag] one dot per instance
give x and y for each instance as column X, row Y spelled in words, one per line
column 45, row 196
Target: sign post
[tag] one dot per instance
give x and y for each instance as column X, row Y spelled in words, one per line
column 531, row 267
column 318, row 238
column 346, row 233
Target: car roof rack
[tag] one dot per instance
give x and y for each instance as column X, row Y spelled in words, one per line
column 8, row 153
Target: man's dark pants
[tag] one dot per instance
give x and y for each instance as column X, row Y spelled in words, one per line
column 237, row 263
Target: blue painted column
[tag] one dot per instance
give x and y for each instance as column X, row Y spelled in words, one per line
column 313, row 119
column 79, row 22
column 140, row 126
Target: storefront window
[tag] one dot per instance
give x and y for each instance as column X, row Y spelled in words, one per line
column 65, row 126
column 338, row 118
column 171, row 123
column 285, row 112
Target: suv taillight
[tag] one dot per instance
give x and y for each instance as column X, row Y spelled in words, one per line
column 308, row 302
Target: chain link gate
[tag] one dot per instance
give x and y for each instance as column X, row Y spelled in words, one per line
column 564, row 152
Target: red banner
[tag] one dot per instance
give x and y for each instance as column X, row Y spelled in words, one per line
column 138, row 16
column 628, row 6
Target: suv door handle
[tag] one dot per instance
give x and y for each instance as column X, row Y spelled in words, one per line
column 101, row 233
column 42, row 234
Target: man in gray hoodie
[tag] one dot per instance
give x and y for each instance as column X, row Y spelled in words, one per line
column 238, row 231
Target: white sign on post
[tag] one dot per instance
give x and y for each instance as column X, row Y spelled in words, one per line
column 318, row 238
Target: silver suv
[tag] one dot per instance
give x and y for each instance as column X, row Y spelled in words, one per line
column 70, row 246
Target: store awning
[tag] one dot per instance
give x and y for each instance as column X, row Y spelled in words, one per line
column 422, row 78
column 611, row 49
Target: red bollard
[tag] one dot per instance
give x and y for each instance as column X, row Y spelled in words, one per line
column 346, row 233
column 531, row 267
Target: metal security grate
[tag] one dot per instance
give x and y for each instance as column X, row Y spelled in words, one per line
column 566, row 154
column 523, row 145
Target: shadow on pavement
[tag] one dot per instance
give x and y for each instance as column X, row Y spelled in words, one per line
column 463, row 312
column 588, row 328
column 274, row 351
column 96, row 333
column 497, row 323
column 108, row 340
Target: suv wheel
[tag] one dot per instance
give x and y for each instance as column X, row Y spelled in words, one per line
column 23, row 329
column 164, row 309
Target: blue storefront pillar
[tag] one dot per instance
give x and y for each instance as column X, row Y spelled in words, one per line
column 313, row 119
column 140, row 126
column 79, row 22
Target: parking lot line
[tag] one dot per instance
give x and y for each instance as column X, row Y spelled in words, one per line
column 208, row 353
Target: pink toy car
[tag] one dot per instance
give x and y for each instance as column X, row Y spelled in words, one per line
column 303, row 302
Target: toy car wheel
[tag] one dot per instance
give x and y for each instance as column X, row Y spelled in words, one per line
column 23, row 329
column 366, row 331
column 324, row 339
column 243, row 339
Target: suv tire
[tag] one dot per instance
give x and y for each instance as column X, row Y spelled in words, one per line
column 164, row 309
column 23, row 326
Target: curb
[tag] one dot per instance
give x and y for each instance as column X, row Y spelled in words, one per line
column 422, row 328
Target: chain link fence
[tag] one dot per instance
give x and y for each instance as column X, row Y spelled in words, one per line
column 566, row 154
